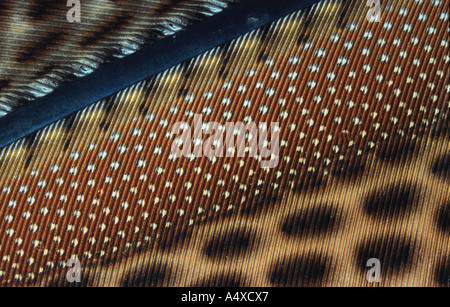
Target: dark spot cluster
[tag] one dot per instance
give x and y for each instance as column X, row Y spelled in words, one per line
column 308, row 270
column 167, row 7
column 113, row 26
column 230, row 244
column 311, row 221
column 42, row 8
column 50, row 40
column 442, row 273
column 443, row 218
column 395, row 253
column 392, row 202
column 147, row 277
column 441, row 167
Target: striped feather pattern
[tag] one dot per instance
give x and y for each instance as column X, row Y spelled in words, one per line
column 41, row 50
column 353, row 100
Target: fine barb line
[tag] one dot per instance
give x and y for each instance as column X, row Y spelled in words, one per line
column 163, row 54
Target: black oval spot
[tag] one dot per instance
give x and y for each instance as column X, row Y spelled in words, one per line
column 443, row 218
column 394, row 253
column 300, row 271
column 149, row 277
column 230, row 244
column 443, row 273
column 391, row 202
column 441, row 167
column 309, row 222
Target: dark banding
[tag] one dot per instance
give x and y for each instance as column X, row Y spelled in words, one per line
column 50, row 40
column 443, row 218
column 310, row 222
column 110, row 27
column 441, row 167
column 393, row 202
column 442, row 273
column 300, row 271
column 165, row 53
column 395, row 253
column 235, row 243
column 167, row 7
column 40, row 9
